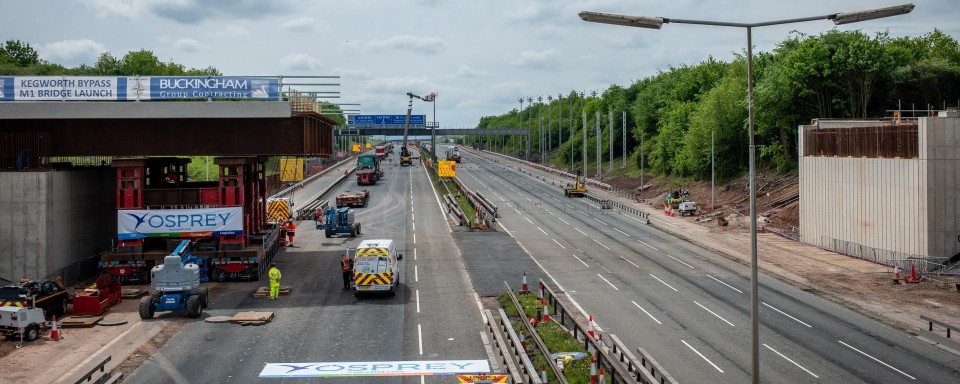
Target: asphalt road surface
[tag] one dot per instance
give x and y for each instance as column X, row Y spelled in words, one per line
column 688, row 306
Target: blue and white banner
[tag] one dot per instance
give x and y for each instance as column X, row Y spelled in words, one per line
column 73, row 88
column 386, row 120
column 376, row 368
column 137, row 223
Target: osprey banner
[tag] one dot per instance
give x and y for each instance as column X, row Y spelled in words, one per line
column 137, row 223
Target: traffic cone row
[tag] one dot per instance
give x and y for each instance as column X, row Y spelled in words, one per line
column 523, row 286
column 913, row 275
column 896, row 274
column 546, row 313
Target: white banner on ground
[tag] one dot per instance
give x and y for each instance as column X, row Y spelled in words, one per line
column 375, row 368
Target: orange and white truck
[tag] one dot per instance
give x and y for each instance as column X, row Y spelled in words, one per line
column 376, row 267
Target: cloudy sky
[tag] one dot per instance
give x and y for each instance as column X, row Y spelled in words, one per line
column 479, row 56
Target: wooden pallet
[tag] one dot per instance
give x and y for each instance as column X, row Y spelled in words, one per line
column 80, row 321
column 265, row 291
column 252, row 318
column 132, row 293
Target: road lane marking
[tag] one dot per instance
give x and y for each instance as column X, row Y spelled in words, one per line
column 544, row 232
column 414, row 253
column 714, row 313
column 581, row 261
column 702, row 356
column 728, row 285
column 645, row 311
column 608, row 282
column 558, row 243
column 624, row 233
column 601, row 222
column 794, row 362
column 413, row 226
column 558, row 200
column 628, row 260
column 420, row 338
column 570, row 206
column 416, row 276
column 581, row 232
column 528, row 219
column 582, row 212
column 414, row 238
column 412, row 217
column 418, row 300
column 654, row 248
column 601, row 244
column 681, row 261
column 549, row 212
column 564, row 221
column 664, row 283
column 785, row 314
column 877, row 360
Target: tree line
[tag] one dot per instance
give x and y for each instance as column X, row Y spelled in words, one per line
column 20, row 59
column 836, row 74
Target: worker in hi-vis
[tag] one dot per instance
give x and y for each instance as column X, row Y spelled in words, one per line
column 274, row 281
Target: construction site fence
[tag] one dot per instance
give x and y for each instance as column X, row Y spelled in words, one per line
column 891, row 259
column 99, row 374
column 79, row 271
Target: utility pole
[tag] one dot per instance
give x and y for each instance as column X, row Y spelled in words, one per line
column 713, row 203
column 623, row 149
column 549, row 123
column 599, row 139
column 520, row 113
column 529, row 124
column 560, row 120
column 610, row 115
column 584, row 158
column 540, row 126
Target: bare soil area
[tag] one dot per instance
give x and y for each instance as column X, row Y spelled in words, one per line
column 861, row 285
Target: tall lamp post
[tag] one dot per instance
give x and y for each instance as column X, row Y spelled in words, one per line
column 520, row 112
column 656, row 23
column 529, row 124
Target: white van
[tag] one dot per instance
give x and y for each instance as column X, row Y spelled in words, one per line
column 376, row 268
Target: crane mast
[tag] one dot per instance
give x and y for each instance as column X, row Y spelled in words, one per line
column 406, row 124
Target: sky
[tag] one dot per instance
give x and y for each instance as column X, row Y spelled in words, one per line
column 478, row 56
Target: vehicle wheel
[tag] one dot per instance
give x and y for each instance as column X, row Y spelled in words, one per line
column 204, row 297
column 358, row 228
column 257, row 272
column 353, row 230
column 221, row 276
column 31, row 333
column 327, row 232
column 155, row 293
column 62, row 310
column 146, row 307
column 193, row 306
column 393, row 291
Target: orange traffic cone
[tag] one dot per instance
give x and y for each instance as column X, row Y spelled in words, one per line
column 896, row 274
column 523, row 286
column 540, row 292
column 543, row 373
column 546, row 313
column 593, row 370
column 590, row 327
column 54, row 332
column 913, row 275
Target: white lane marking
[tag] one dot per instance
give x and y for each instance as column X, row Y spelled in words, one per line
column 634, row 219
column 412, row 217
column 785, row 314
column 581, row 261
column 528, row 219
column 544, row 232
column 558, row 200
column 794, row 362
column 702, row 356
column 601, row 244
column 728, row 285
column 654, row 248
column 570, row 206
column 416, row 277
column 608, row 282
column 414, row 238
column 877, row 360
column 420, row 338
column 714, row 313
column 418, row 301
column 664, row 283
column 581, row 232
column 601, row 222
column 624, row 233
column 582, row 212
column 681, row 261
column 667, row 223
column 645, row 311
column 413, row 226
column 549, row 212
column 628, row 260
column 564, row 221
column 414, row 253
column 558, row 243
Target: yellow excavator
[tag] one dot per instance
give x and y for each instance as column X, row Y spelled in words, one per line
column 578, row 189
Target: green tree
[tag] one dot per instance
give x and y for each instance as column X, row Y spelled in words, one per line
column 19, row 53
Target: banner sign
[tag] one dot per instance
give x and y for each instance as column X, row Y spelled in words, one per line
column 447, row 168
column 74, row 88
column 379, row 368
column 386, row 120
column 137, row 223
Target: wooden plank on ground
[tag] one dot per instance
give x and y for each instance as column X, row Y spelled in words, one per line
column 80, row 321
column 265, row 291
column 252, row 318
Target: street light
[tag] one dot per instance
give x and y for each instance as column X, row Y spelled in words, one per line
column 656, row 23
column 520, row 112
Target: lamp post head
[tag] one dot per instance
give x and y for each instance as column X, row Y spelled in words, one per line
column 539, row 99
column 870, row 14
column 529, row 99
column 625, row 20
column 549, row 98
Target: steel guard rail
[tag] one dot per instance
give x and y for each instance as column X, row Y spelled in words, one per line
column 533, row 334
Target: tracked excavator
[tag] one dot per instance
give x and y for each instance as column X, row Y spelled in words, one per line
column 404, row 152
